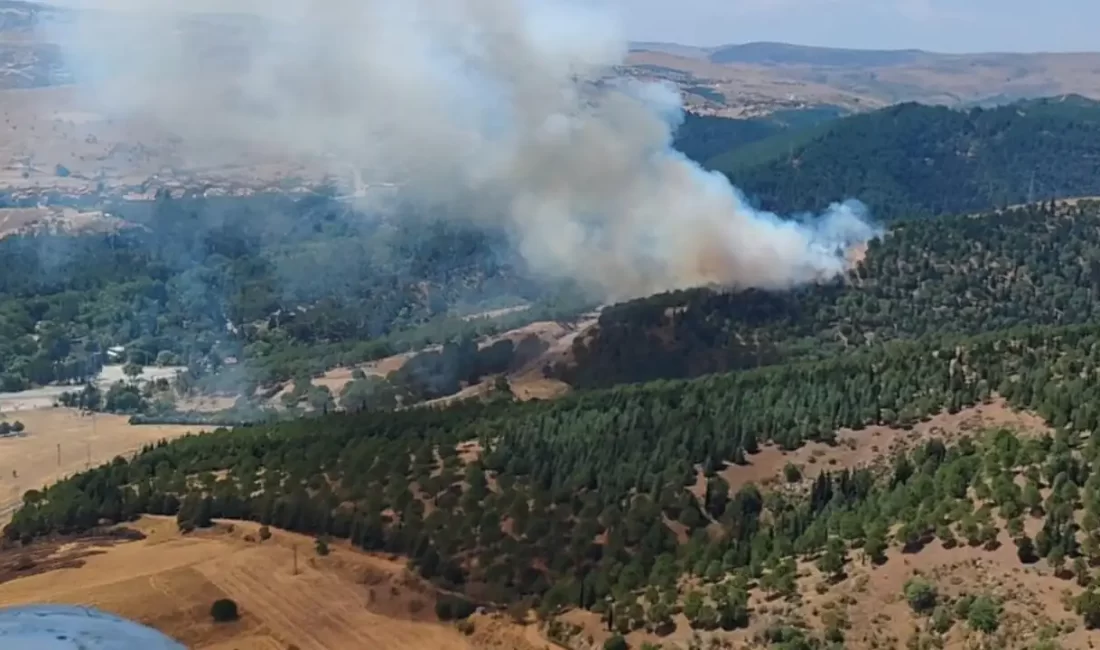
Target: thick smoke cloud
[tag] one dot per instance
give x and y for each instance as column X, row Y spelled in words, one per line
column 509, row 108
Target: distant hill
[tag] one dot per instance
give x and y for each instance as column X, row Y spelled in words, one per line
column 787, row 54
column 912, row 160
column 756, row 78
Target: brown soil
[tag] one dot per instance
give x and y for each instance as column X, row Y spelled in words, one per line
column 868, row 446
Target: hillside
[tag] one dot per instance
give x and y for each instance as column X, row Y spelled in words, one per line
column 756, row 78
column 417, row 436
column 913, row 160
column 912, row 441
column 704, row 138
column 467, row 493
column 934, row 277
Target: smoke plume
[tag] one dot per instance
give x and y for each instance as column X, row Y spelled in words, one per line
column 508, row 108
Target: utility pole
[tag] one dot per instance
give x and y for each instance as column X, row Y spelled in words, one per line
column 295, row 547
column 88, row 462
column 59, row 454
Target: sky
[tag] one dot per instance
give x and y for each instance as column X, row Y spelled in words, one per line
column 937, row 25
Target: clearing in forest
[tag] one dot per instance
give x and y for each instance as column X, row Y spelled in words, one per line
column 872, row 444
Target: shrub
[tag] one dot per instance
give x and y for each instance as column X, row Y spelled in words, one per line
column 616, row 642
column 792, row 473
column 265, row 533
column 465, row 627
column 449, row 608
column 984, row 614
column 921, row 595
column 224, row 610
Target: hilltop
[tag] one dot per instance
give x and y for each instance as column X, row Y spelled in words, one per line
column 913, row 160
column 756, row 78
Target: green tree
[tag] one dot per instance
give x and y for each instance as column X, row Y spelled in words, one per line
column 984, row 614
column 833, row 560
column 224, row 610
column 921, row 595
column 1087, row 606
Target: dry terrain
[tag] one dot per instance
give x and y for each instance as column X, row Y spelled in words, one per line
column 870, row 445
column 527, row 382
column 30, row 461
column 870, row 598
column 346, row 600
column 739, row 86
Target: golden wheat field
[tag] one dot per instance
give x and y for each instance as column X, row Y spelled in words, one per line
column 168, row 581
column 31, row 461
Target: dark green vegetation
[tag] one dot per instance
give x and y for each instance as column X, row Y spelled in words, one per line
column 249, row 291
column 701, row 138
column 224, row 610
column 912, row 160
column 588, row 502
column 11, row 428
column 511, row 524
column 926, row 279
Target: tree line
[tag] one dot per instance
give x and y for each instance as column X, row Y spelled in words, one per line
column 1037, row 265
column 578, row 502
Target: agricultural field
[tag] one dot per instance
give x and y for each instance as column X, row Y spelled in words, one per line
column 346, row 599
column 58, row 442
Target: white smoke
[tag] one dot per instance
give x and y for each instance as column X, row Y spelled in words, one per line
column 510, row 107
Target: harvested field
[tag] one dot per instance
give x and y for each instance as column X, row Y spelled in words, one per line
column 82, row 439
column 345, row 600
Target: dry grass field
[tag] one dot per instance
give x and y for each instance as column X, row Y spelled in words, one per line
column 346, row 600
column 82, row 438
column 751, row 89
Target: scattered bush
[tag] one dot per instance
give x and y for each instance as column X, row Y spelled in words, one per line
column 791, row 473
column 224, row 610
column 466, row 627
column 265, row 533
column 453, row 608
column 921, row 595
column 984, row 614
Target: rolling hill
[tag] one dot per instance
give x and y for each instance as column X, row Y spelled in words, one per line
column 754, row 78
column 904, row 456
column 928, row 485
column 913, row 160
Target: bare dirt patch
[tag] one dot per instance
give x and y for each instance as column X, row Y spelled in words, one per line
column 870, row 445
column 31, row 461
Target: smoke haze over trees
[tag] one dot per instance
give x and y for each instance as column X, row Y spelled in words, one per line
column 508, row 112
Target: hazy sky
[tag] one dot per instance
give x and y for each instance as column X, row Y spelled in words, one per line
column 943, row 25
